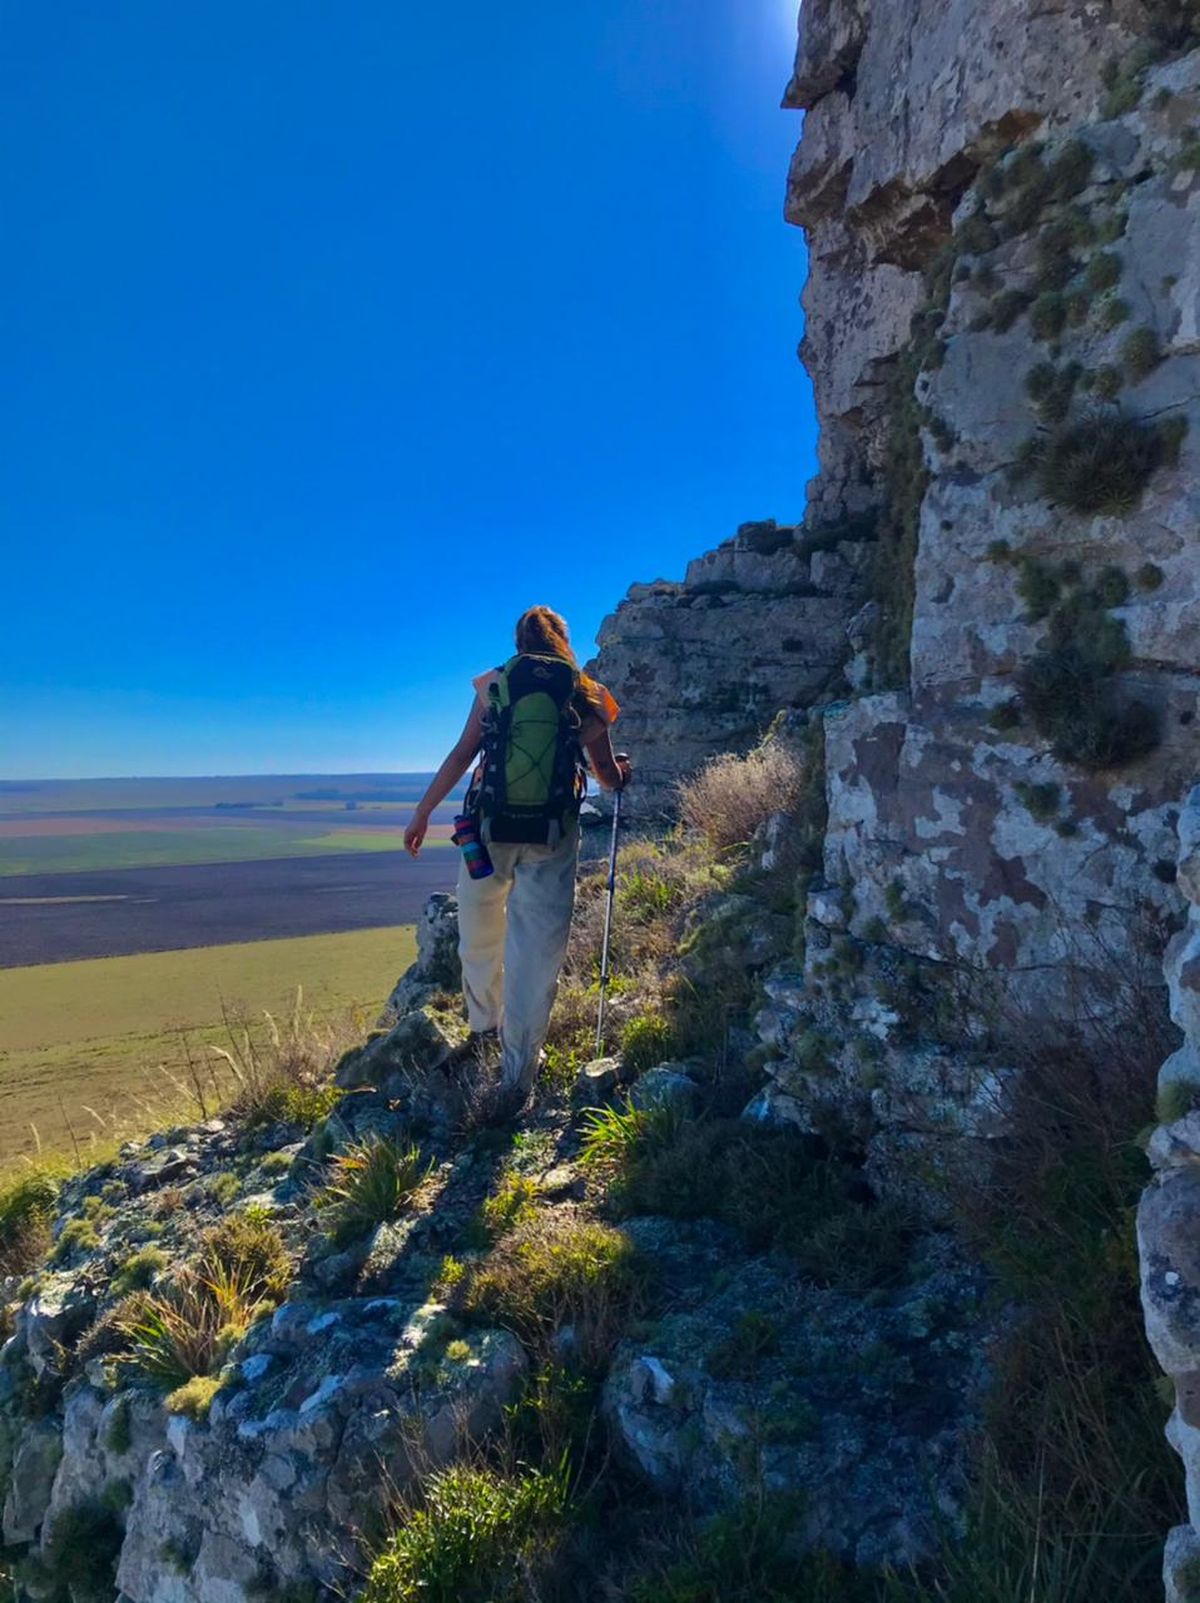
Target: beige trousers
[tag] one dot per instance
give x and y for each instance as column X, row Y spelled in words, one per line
column 512, row 938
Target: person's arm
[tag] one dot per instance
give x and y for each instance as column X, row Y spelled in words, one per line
column 613, row 770
column 462, row 755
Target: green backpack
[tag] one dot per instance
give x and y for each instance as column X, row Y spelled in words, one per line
column 533, row 780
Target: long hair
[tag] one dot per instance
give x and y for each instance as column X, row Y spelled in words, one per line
column 543, row 632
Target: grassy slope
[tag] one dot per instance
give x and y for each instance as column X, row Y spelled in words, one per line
column 94, row 1035
column 149, row 848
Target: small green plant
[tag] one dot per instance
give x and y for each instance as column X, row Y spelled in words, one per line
column 1141, row 353
column 139, row 1271
column 514, row 1199
column 646, row 1040
column 1176, row 1100
column 187, row 1330
column 1108, row 382
column 646, row 896
column 1041, row 801
column 1149, row 576
column 976, row 236
column 76, row 1236
column 371, row 1183
column 194, row 1398
column 223, row 1188
column 738, row 1355
column 1005, row 715
column 252, row 1249
column 477, row 1536
column 118, row 1438
column 1113, row 312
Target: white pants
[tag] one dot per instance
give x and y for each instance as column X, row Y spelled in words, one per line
column 512, row 938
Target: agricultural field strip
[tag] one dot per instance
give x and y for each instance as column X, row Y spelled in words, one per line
column 85, row 1045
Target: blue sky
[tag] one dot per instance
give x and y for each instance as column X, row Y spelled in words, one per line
column 338, row 333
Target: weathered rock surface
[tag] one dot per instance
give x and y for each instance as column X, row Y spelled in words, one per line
column 1169, row 1217
column 758, row 1382
column 702, row 667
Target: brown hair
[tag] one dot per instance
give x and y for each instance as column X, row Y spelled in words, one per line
column 543, row 632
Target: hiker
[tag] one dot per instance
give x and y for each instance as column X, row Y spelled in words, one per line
column 532, row 720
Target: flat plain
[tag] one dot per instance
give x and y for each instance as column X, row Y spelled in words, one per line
column 91, row 1050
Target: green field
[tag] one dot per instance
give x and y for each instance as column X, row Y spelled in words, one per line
column 92, row 1049
column 160, row 848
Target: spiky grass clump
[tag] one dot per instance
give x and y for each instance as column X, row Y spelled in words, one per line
column 1098, row 463
column 371, row 1183
column 1141, row 353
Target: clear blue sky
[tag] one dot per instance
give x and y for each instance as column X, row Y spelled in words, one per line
column 337, row 333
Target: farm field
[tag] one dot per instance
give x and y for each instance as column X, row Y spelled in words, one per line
column 105, row 847
column 49, row 918
column 96, row 1049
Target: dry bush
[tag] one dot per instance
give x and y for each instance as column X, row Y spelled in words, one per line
column 733, row 796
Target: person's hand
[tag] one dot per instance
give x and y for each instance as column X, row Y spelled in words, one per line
column 624, row 768
column 415, row 833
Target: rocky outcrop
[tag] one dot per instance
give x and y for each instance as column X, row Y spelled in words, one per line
column 1169, row 1216
column 703, row 666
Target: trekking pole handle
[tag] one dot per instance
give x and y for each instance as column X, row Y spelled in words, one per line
column 608, row 914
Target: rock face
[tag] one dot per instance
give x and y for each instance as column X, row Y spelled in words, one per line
column 702, row 667
column 1169, row 1216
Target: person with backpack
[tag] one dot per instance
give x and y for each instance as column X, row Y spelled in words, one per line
column 532, row 719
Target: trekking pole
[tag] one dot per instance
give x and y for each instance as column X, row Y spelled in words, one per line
column 608, row 913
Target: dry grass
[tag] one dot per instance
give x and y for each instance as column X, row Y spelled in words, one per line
column 269, row 1061
column 733, row 796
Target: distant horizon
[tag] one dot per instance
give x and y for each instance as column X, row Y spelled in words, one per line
column 28, row 780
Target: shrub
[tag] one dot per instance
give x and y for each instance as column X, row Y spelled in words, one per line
column 732, row 796
column 1108, row 382
column 476, row 1537
column 1100, row 463
column 1103, row 271
column 372, row 1181
column 27, row 1201
column 1048, row 315
column 558, row 1269
column 1141, row 353
column 1008, row 306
